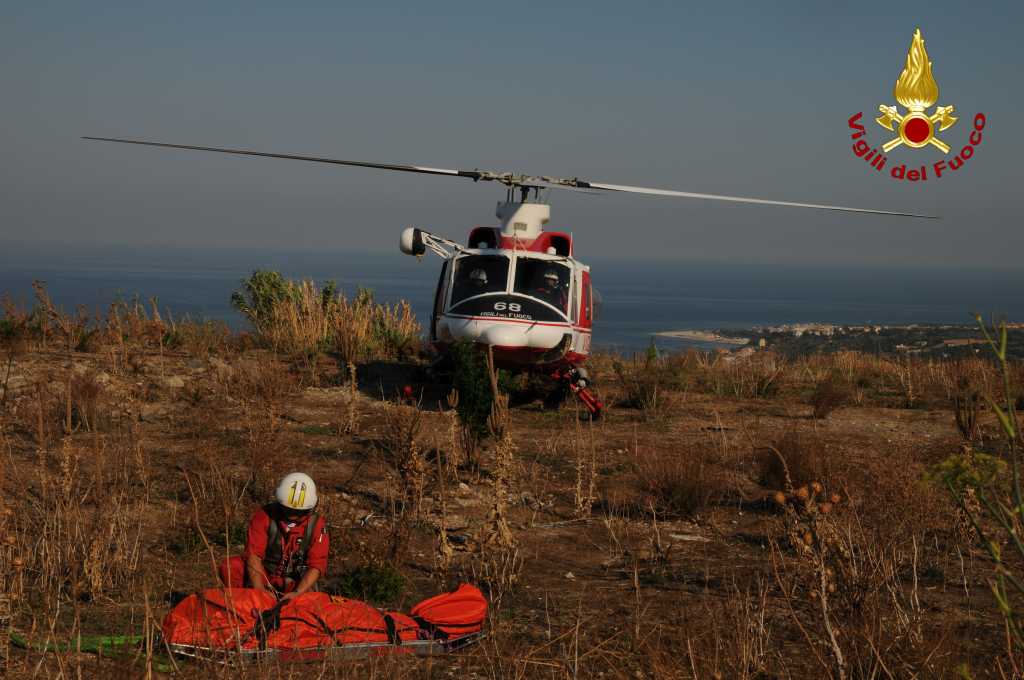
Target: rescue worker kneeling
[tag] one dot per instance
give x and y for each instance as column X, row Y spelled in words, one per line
column 287, row 544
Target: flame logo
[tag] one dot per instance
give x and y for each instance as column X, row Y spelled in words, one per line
column 916, row 89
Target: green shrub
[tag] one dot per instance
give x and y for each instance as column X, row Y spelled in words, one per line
column 188, row 541
column 969, row 469
column 234, row 536
column 473, row 383
column 185, row 542
column 377, row 585
column 9, row 329
column 262, row 291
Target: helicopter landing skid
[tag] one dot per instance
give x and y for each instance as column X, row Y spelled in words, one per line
column 577, row 380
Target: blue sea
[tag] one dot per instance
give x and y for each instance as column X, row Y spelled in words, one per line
column 639, row 298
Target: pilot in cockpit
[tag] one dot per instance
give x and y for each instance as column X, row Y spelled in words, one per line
column 478, row 279
column 550, row 291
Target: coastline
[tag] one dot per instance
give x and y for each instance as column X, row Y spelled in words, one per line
column 704, row 336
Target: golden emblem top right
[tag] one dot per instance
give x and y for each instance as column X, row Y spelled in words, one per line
column 916, row 90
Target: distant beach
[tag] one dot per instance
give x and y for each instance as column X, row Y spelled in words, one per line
column 704, row 336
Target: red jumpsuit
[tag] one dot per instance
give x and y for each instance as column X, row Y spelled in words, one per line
column 233, row 571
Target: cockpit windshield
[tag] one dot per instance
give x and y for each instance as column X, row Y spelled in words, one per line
column 545, row 280
column 479, row 274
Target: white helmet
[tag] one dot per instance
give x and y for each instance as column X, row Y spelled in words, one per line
column 297, row 491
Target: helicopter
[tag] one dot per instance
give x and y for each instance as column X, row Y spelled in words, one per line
column 516, row 288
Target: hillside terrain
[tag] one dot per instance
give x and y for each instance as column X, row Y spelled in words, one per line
column 750, row 518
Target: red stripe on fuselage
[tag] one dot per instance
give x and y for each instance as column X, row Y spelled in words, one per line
column 562, row 324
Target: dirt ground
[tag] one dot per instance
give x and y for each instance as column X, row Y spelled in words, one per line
column 646, row 544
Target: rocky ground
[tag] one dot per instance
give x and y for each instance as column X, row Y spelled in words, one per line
column 647, row 544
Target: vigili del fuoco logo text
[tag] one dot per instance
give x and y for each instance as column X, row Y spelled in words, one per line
column 917, row 91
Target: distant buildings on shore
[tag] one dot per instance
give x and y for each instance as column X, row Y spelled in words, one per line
column 798, row 329
column 938, row 340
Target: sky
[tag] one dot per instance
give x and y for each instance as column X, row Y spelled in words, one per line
column 748, row 99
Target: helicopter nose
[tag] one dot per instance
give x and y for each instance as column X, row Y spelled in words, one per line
column 502, row 336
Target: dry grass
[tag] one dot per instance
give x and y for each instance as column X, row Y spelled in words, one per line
column 402, row 445
column 121, row 485
column 829, row 395
column 797, row 459
column 311, row 320
column 678, row 483
column 77, row 535
column 649, row 383
column 200, row 338
column 845, row 586
column 262, row 390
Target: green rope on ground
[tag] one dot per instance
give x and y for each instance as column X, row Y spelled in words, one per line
column 110, row 646
column 93, row 644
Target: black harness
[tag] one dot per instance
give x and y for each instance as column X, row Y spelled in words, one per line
column 274, row 555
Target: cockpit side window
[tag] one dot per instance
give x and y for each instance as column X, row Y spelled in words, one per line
column 479, row 274
column 545, row 280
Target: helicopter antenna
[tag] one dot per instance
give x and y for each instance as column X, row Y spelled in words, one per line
column 518, row 181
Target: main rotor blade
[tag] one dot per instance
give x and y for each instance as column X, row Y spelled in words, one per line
column 740, row 199
column 472, row 174
column 513, row 180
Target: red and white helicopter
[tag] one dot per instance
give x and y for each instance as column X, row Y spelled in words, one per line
column 515, row 287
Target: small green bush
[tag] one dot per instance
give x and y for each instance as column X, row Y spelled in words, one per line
column 235, row 537
column 262, row 291
column 969, row 469
column 473, row 383
column 185, row 542
column 377, row 585
column 8, row 329
column 188, row 541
